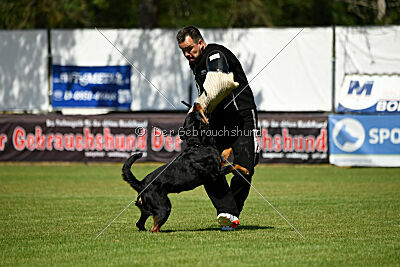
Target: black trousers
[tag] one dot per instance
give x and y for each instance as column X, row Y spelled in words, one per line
column 236, row 131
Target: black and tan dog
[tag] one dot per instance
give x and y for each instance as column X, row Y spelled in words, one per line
column 198, row 163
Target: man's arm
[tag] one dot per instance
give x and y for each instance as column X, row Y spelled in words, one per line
column 217, row 61
column 219, row 82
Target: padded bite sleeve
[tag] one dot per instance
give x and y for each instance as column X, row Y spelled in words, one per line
column 217, row 86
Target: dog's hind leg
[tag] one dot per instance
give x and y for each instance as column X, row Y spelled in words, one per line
column 162, row 215
column 155, row 227
column 159, row 220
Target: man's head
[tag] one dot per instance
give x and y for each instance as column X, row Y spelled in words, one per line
column 190, row 42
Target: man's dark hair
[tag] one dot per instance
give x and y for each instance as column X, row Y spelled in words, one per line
column 192, row 31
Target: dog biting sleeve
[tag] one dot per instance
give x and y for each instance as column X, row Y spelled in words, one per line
column 217, row 86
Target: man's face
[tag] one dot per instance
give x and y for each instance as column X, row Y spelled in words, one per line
column 191, row 49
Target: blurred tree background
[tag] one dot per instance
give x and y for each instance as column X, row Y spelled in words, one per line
column 30, row 14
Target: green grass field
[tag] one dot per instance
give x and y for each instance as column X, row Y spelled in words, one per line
column 50, row 215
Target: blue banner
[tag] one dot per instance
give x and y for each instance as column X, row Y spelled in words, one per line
column 366, row 140
column 89, row 87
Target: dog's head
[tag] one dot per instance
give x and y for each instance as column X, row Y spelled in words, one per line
column 196, row 129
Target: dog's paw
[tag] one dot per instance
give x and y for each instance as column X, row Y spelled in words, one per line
column 243, row 171
column 246, row 171
column 140, row 227
column 155, row 229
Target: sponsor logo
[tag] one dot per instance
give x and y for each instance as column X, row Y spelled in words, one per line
column 370, row 94
column 101, row 86
column 348, row 135
column 355, row 87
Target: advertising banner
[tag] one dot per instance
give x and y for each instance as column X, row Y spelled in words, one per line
column 71, row 138
column 364, row 140
column 113, row 137
column 370, row 94
column 90, row 87
column 293, row 138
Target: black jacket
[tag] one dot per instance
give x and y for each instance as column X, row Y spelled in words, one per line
column 218, row 58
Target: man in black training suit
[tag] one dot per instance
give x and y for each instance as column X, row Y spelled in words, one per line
column 235, row 115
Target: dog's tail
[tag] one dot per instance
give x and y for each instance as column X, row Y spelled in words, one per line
column 128, row 175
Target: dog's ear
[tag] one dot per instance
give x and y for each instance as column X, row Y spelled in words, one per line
column 182, row 136
column 190, row 122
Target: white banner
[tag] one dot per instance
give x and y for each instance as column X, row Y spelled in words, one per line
column 23, row 71
column 292, row 78
column 297, row 78
column 372, row 51
column 370, row 94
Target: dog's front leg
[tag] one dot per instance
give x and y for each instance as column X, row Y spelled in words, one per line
column 142, row 221
column 230, row 168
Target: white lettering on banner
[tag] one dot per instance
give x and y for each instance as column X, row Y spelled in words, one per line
column 68, row 95
column 118, row 155
column 124, row 96
column 293, row 124
column 302, row 156
column 68, row 123
column 390, row 106
column 382, row 134
column 98, row 96
column 273, row 155
column 104, row 96
column 95, row 154
column 96, row 123
column 319, row 156
column 86, row 78
column 110, row 123
column 312, row 124
column 132, row 124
